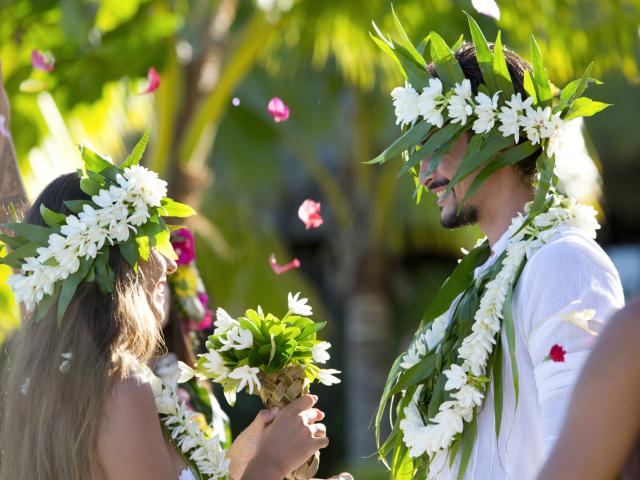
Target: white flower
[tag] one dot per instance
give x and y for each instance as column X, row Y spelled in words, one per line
column 414, row 354
column 431, row 102
column 237, row 338
column 468, row 397
column 24, row 388
column 405, row 101
column 581, row 319
column 460, row 104
column 435, row 334
column 486, row 112
column 186, row 372
column 456, row 377
column 224, row 321
column 510, row 116
column 66, row 362
column 248, row 377
column 533, row 121
column 326, row 376
column 214, row 365
column 145, row 184
column 319, row 352
column 298, row 306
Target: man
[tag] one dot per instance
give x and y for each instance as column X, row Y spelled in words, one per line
column 538, row 289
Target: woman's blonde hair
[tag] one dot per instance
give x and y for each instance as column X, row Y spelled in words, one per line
column 53, row 406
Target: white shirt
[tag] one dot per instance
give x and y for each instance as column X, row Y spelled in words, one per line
column 569, row 268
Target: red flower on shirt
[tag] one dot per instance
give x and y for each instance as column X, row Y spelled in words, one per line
column 556, row 354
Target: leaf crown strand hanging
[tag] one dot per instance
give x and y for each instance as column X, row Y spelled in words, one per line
column 125, row 209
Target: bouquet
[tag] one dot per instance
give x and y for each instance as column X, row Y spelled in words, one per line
column 275, row 358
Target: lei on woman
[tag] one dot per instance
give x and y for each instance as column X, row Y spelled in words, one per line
column 439, row 385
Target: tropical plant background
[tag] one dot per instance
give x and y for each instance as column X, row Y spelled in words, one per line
column 374, row 264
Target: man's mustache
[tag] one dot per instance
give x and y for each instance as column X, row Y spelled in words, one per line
column 437, row 184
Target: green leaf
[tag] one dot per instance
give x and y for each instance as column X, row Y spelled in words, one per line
column 69, row 286
column 483, row 54
column 105, row 277
column 414, row 136
column 458, row 43
column 576, row 88
column 129, row 251
column 171, row 208
column 88, row 186
column 540, row 77
column 435, row 141
column 76, row 206
column 51, row 218
column 496, row 372
column 163, row 245
column 500, row 70
column 417, row 75
column 47, row 303
column 459, row 280
column 415, row 374
column 585, row 107
column 405, row 41
column 437, row 397
column 448, row 68
column 510, row 331
column 33, row 233
column 14, row 242
column 19, row 254
column 442, row 150
column 476, row 158
column 137, row 152
column 386, row 394
column 510, row 157
column 402, row 464
column 529, row 88
column 384, row 46
column 144, row 247
column 93, row 161
column 545, row 166
column 468, row 439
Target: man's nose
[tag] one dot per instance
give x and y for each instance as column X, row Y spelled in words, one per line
column 423, row 178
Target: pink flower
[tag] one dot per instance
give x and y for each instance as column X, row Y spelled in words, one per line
column 184, row 245
column 206, row 322
column 309, row 213
column 42, row 61
column 279, row 269
column 278, row 110
column 154, row 81
column 556, row 354
column 3, row 127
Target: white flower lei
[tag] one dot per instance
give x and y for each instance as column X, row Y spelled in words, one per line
column 203, row 451
column 516, row 114
column 439, row 432
column 121, row 210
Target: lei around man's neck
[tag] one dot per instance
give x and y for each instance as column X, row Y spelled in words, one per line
column 125, row 210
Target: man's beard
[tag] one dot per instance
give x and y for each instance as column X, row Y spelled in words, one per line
column 459, row 217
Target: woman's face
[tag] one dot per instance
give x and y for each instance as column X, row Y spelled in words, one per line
column 155, row 275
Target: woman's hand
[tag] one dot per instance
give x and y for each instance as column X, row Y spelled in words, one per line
column 245, row 446
column 288, row 441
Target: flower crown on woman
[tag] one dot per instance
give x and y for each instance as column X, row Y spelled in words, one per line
column 506, row 128
column 125, row 210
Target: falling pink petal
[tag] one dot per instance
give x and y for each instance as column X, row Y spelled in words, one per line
column 235, row 102
column 487, row 7
column 278, row 110
column 154, row 81
column 280, row 269
column 42, row 61
column 3, row 126
column 309, row 213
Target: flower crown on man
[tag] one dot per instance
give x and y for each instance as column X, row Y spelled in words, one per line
column 125, row 210
column 509, row 122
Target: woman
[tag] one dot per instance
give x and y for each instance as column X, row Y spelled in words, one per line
column 603, row 421
column 77, row 406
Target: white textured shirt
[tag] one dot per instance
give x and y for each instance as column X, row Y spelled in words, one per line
column 568, row 269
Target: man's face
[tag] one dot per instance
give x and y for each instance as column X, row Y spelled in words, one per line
column 437, row 183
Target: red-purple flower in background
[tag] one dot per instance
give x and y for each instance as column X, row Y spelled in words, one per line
column 185, row 246
column 154, row 81
column 42, row 61
column 278, row 110
column 309, row 213
column 207, row 320
column 280, row 269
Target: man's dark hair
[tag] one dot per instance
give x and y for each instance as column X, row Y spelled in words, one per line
column 466, row 57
